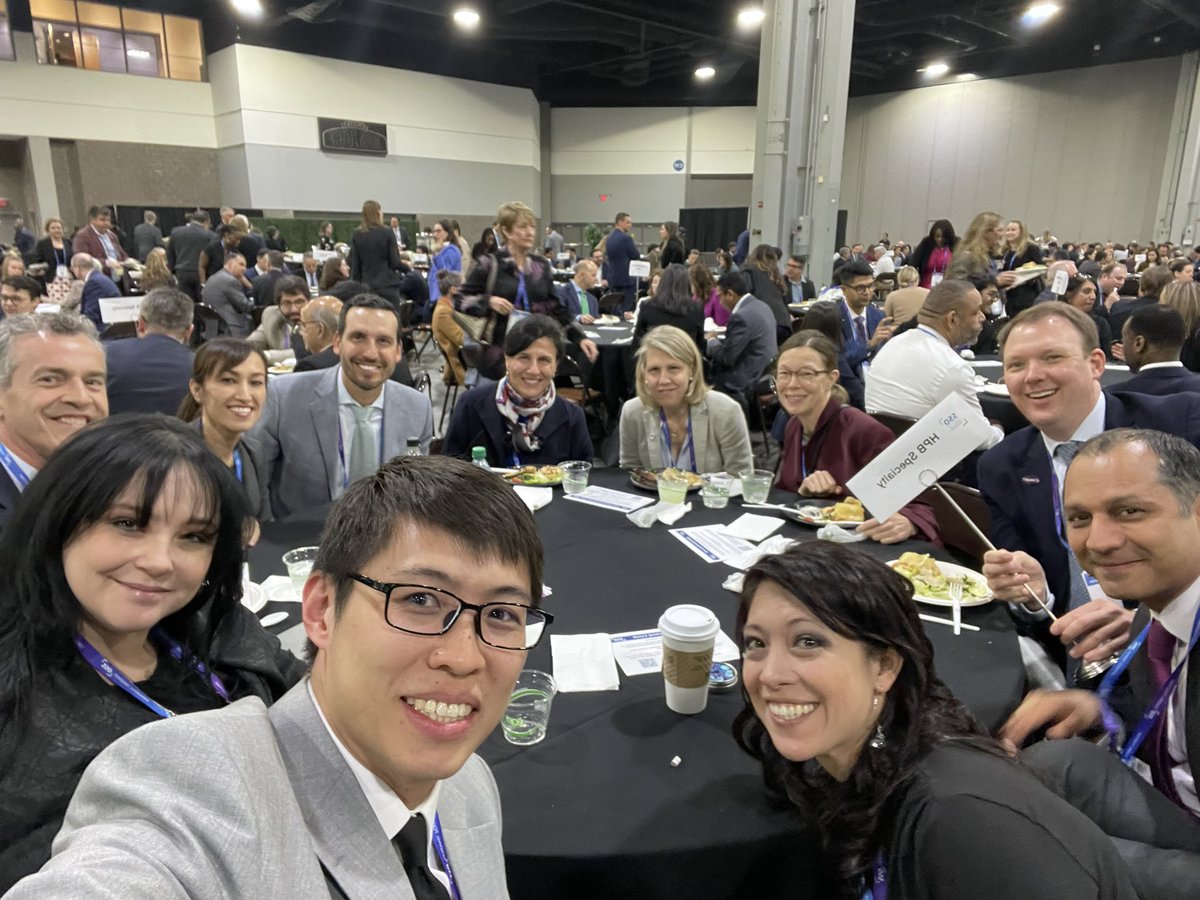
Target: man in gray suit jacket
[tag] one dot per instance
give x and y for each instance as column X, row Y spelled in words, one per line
column 362, row 781
column 750, row 342
column 223, row 292
column 312, row 421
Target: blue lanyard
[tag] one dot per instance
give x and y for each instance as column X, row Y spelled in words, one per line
column 877, row 889
column 522, row 295
column 666, row 433
column 237, row 465
column 439, row 847
column 1157, row 705
column 57, row 261
column 101, row 664
column 342, row 449
column 13, row 469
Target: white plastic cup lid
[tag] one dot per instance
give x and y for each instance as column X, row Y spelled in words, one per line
column 688, row 622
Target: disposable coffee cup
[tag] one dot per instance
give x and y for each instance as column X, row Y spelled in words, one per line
column 688, row 635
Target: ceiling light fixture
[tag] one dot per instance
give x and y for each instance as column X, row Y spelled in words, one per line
column 935, row 70
column 252, row 9
column 466, row 17
column 750, row 17
column 1039, row 13
column 137, row 53
column 705, row 72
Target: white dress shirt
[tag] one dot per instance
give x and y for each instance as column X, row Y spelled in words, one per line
column 915, row 371
column 346, row 422
column 1178, row 618
column 24, row 467
column 1175, row 364
column 389, row 809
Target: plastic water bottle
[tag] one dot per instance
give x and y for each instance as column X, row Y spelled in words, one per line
column 413, row 448
column 479, row 457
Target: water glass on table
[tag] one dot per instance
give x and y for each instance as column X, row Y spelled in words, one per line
column 299, row 564
column 528, row 711
column 756, row 485
column 575, row 475
column 715, row 490
column 672, row 487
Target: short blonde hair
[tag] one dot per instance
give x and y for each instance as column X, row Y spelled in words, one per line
column 907, row 276
column 1183, row 296
column 677, row 344
column 513, row 213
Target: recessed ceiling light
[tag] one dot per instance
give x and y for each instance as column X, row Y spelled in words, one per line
column 705, row 72
column 466, row 17
column 250, row 8
column 935, row 70
column 1039, row 13
column 750, row 17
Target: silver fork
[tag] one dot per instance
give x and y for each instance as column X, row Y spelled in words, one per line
column 956, row 589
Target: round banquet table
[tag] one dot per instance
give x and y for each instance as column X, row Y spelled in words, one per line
column 596, row 810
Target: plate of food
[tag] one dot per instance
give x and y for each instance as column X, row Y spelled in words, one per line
column 1028, row 272
column 285, row 367
column 931, row 580
column 647, row 479
column 607, row 319
column 848, row 513
column 539, row 476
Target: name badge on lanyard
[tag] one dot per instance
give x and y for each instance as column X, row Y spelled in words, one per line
column 935, row 279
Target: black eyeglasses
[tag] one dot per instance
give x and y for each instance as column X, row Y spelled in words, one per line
column 425, row 610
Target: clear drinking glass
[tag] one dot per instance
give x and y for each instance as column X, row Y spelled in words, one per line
column 299, row 564
column 528, row 711
column 575, row 475
column 756, row 485
column 715, row 491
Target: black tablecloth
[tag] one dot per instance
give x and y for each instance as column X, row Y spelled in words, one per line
column 1003, row 410
column 596, row 810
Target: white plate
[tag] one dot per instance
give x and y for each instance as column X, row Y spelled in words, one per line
column 803, row 514
column 254, row 597
column 949, row 569
column 998, row 390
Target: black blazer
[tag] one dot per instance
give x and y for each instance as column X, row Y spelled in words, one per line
column 477, row 422
column 1123, row 309
column 184, row 246
column 147, row 375
column 650, row 315
column 43, row 252
column 374, row 258
column 1161, row 382
column 672, row 253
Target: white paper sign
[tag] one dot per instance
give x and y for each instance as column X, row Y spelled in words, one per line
column 1060, row 282
column 119, row 309
column 639, row 268
column 933, row 444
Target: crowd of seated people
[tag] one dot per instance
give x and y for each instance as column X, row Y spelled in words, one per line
column 299, row 405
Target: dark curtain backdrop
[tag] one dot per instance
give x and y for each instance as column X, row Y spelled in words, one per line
column 128, row 218
column 708, row 229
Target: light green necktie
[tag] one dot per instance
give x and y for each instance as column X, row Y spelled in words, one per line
column 584, row 309
column 364, row 458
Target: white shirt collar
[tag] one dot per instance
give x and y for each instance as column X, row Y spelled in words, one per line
column 853, row 315
column 934, row 333
column 738, row 305
column 388, row 808
column 344, row 398
column 1180, row 613
column 1161, row 365
column 1092, row 425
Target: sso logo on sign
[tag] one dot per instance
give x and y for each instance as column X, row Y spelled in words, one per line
column 954, row 420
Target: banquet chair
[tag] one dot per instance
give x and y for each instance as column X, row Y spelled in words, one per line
column 450, row 381
column 119, row 331
column 957, row 534
column 896, row 424
column 611, row 303
column 423, row 331
column 209, row 324
column 425, row 384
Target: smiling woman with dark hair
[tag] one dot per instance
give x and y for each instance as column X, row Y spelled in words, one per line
column 909, row 796
column 122, row 557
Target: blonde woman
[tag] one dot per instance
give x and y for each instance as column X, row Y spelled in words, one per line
column 676, row 419
column 1184, row 296
column 978, row 248
column 1019, row 251
column 156, row 274
column 905, row 302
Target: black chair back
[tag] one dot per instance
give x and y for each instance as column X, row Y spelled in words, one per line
column 896, row 424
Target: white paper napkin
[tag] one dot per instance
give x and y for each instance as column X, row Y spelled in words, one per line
column 752, row 527
column 583, row 662
column 743, row 561
column 534, row 497
column 667, row 513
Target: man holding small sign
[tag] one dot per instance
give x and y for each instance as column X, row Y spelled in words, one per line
column 1052, row 367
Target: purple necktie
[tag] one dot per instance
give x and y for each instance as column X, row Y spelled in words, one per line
column 860, row 327
column 1160, row 645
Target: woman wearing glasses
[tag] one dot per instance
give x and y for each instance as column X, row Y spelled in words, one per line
column 827, row 442
column 120, row 589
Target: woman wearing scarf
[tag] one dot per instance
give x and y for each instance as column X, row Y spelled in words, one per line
column 520, row 420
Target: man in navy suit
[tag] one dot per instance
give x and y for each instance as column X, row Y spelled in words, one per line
column 749, row 344
column 1052, row 367
column 1152, row 338
column 96, row 287
column 619, row 251
column 577, row 292
column 864, row 326
column 151, row 374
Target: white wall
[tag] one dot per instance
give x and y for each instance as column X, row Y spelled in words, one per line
column 1081, row 152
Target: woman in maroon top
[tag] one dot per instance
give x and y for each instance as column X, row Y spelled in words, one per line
column 826, row 442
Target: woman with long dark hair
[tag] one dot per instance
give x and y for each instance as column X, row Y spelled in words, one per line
column 932, row 255
column 446, row 254
column 1081, row 293
column 767, row 284
column 672, row 304
column 374, row 256
column 909, row 796
column 120, row 590
column 670, row 246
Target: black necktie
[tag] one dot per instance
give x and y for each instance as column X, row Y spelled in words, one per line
column 414, row 854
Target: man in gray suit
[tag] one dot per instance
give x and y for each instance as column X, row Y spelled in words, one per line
column 147, row 235
column 362, row 781
column 321, row 430
column 223, row 292
column 749, row 344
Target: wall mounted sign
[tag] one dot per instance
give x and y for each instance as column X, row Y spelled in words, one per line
column 678, row 165
column 343, row 136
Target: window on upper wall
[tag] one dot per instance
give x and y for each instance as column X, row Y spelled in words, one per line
column 6, row 45
column 106, row 38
